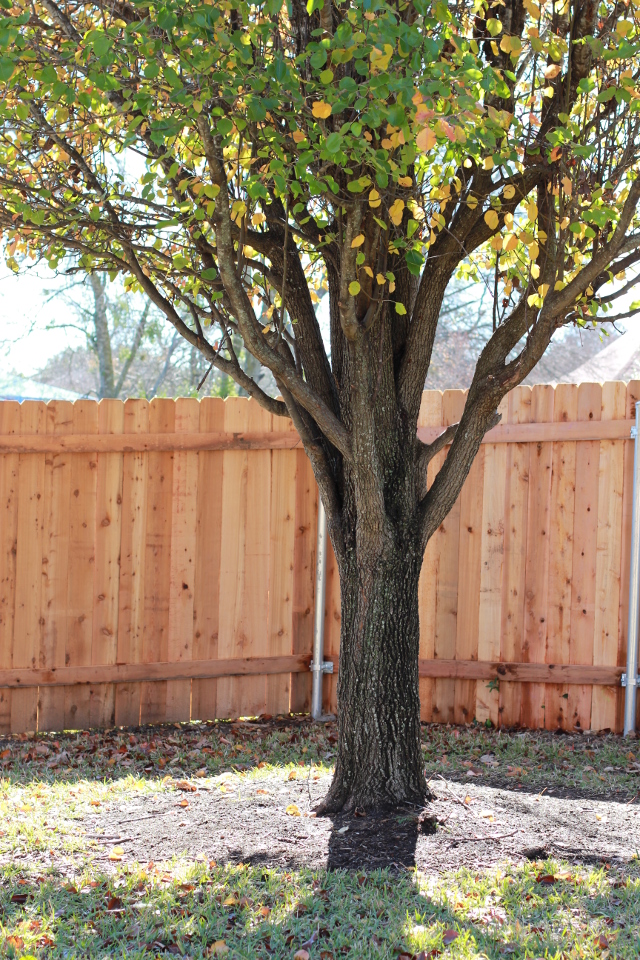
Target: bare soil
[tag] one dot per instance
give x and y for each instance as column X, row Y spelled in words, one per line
column 239, row 819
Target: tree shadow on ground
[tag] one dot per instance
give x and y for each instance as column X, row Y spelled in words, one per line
column 377, row 841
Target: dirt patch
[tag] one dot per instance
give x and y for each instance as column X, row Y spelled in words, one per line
column 239, row 819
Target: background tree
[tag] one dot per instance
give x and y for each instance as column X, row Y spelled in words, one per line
column 373, row 146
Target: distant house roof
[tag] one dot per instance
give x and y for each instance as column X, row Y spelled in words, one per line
column 14, row 387
column 618, row 361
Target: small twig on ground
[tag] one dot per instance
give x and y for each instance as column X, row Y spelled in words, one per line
column 498, row 836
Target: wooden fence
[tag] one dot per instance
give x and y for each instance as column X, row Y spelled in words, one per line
column 157, row 562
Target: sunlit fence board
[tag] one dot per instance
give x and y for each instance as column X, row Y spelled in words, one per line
column 157, row 563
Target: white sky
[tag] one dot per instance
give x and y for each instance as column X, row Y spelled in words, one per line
column 25, row 312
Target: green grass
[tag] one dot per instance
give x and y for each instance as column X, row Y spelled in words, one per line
column 57, row 900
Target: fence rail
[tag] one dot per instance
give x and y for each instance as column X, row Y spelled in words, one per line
column 157, row 563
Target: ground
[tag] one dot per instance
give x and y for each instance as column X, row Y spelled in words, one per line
column 200, row 840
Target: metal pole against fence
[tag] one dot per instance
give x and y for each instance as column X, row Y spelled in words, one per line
column 318, row 665
column 630, row 678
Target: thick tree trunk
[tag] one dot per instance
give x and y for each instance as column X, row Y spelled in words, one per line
column 379, row 763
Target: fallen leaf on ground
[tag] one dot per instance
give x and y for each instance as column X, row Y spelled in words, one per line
column 264, row 911
column 183, row 803
column 114, row 903
column 449, row 936
column 602, row 942
column 293, row 810
column 186, row 786
column 547, row 878
column 218, row 949
column 301, row 955
column 264, row 792
column 116, row 854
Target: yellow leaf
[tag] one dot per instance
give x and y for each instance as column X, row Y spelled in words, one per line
column 321, row 110
column 496, row 242
column 374, row 199
column 505, row 44
column 567, row 186
column 543, row 289
column 509, row 192
column 230, row 901
column 425, row 140
column 624, row 27
column 381, row 279
column 534, row 250
column 257, row 219
column 368, row 271
column 392, row 286
column 357, row 241
column 511, row 243
column 354, row 290
column 298, row 135
column 116, row 854
column 405, row 181
column 491, row 219
column 401, row 309
column 487, row 163
column 552, row 71
column 395, row 212
column 293, row 810
column 532, row 211
column 218, row 949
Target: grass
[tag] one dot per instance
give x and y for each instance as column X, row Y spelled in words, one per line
column 58, row 900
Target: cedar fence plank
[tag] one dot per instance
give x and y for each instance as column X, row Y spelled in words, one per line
column 633, row 395
column 585, row 533
column 608, row 555
column 208, row 545
column 491, row 571
column 430, row 415
column 563, row 482
column 304, row 565
column 537, row 562
column 83, row 474
column 108, row 530
column 56, row 566
column 29, row 546
column 183, row 559
column 447, row 545
column 157, row 563
column 515, row 548
column 132, row 563
column 281, row 568
column 9, row 485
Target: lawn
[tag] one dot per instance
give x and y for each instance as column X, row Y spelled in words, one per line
column 75, row 885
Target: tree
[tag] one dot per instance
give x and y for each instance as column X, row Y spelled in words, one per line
column 377, row 147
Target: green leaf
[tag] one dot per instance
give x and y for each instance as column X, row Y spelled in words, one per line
column 6, row 69
column 401, row 309
column 354, row 288
column 334, row 144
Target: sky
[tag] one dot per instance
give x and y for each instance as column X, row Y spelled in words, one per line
column 26, row 309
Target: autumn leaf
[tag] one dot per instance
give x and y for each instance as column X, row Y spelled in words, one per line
column 354, row 288
column 321, row 110
column 293, row 810
column 491, row 219
column 509, row 192
column 218, row 949
column 426, row 140
column 395, row 212
column 405, row 181
column 374, row 199
column 449, row 936
column 116, row 854
column 357, row 241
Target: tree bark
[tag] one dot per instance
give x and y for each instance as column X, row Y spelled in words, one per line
column 379, row 763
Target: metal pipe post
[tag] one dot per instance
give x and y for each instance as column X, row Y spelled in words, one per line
column 630, row 679
column 318, row 665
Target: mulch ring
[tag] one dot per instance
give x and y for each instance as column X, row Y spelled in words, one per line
column 268, row 820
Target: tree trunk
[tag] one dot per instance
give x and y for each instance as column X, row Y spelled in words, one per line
column 379, row 763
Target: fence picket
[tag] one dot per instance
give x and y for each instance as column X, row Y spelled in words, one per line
column 9, row 485
column 430, row 416
column 132, row 563
column 563, row 481
column 56, row 566
column 608, row 556
column 157, row 562
column 585, row 533
column 208, row 545
column 515, row 547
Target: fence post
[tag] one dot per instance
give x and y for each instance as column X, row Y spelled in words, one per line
column 630, row 679
column 318, row 666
